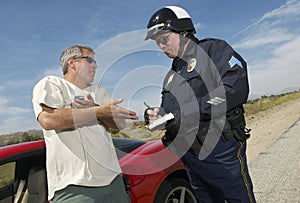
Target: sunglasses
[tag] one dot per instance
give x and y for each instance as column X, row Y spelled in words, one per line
column 89, row 59
column 163, row 39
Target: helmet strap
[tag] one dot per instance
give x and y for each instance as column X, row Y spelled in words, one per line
column 184, row 41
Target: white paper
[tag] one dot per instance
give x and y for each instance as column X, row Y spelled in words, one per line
column 160, row 121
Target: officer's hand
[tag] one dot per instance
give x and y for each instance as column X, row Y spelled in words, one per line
column 173, row 125
column 153, row 113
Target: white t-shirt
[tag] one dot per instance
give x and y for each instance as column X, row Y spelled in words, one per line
column 85, row 156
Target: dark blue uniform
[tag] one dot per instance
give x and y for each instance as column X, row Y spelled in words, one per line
column 206, row 89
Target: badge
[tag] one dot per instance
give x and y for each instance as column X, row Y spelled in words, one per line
column 192, row 65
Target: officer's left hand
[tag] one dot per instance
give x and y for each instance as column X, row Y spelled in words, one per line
column 84, row 103
column 153, row 113
column 173, row 125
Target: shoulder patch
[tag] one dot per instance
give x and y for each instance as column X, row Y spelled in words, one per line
column 234, row 61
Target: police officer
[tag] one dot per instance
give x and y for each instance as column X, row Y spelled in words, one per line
column 205, row 91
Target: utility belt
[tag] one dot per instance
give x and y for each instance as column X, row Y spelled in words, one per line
column 193, row 139
column 235, row 126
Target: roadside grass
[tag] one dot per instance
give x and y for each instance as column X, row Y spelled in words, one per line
column 267, row 102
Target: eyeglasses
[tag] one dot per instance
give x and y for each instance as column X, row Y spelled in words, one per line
column 89, row 59
column 163, row 39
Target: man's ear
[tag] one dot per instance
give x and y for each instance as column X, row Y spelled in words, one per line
column 71, row 63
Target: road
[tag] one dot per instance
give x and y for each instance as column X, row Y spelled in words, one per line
column 275, row 170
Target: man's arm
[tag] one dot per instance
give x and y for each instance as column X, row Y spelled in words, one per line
column 115, row 123
column 65, row 118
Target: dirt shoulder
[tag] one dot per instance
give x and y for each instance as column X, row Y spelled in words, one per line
column 268, row 125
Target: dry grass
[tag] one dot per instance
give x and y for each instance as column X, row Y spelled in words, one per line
column 264, row 103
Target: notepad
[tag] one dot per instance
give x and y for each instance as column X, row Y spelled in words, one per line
column 160, row 121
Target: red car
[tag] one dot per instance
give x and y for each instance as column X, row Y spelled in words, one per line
column 155, row 174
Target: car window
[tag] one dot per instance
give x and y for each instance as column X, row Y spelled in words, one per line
column 127, row 145
column 7, row 174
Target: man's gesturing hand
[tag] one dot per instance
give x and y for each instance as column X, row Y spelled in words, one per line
column 111, row 110
column 113, row 116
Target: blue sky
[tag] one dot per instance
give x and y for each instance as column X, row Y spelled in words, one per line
column 33, row 34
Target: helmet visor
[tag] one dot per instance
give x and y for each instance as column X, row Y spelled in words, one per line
column 156, row 30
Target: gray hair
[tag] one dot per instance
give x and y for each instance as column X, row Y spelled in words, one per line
column 70, row 52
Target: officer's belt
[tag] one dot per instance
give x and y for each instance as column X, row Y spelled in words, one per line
column 234, row 126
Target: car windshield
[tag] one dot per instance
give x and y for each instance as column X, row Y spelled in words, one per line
column 126, row 145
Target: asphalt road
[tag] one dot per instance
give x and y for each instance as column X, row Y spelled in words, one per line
column 275, row 171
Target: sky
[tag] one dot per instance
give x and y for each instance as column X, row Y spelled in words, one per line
column 33, row 34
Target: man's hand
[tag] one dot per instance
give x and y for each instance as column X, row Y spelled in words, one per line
column 111, row 110
column 113, row 116
column 83, row 103
column 110, row 114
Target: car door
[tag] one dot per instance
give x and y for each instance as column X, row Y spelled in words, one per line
column 15, row 164
column 7, row 180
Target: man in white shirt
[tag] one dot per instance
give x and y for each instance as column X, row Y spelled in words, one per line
column 81, row 161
